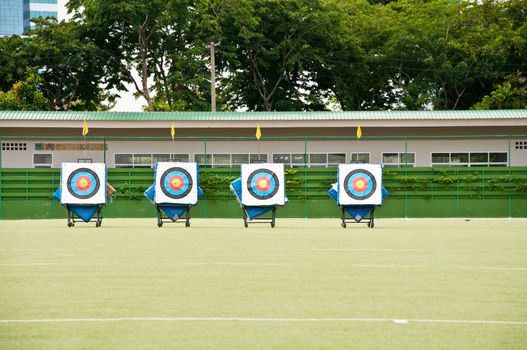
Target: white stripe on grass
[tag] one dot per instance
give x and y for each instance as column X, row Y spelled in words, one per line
column 234, row 263
column 47, row 264
column 491, row 268
column 263, row 319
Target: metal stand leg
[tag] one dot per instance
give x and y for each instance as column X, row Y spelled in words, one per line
column 343, row 217
column 159, row 217
column 187, row 217
column 99, row 216
column 273, row 217
column 71, row 222
column 245, row 223
column 372, row 218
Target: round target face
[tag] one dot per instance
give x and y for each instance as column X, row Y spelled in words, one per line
column 83, row 183
column 176, row 183
column 360, row 184
column 263, row 184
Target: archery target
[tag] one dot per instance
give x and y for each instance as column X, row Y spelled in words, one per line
column 83, row 183
column 176, row 183
column 263, row 184
column 359, row 184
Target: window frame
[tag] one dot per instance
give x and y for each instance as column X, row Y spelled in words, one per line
column 469, row 163
column 42, row 165
column 399, row 164
column 132, row 165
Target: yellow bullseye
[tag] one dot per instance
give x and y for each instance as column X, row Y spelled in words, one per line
column 176, row 182
column 83, row 183
column 262, row 183
column 360, row 184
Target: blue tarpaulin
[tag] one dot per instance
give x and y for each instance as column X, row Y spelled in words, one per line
column 252, row 211
column 357, row 212
column 85, row 212
column 172, row 211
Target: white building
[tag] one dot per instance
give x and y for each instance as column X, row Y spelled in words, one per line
column 315, row 139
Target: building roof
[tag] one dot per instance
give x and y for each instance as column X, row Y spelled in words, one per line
column 263, row 116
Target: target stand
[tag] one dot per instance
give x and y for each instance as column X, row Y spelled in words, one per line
column 358, row 192
column 369, row 218
column 73, row 217
column 174, row 191
column 254, row 214
column 248, row 217
column 83, row 191
column 163, row 217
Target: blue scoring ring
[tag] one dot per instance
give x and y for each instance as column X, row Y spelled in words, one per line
column 185, row 187
column 272, row 179
column 79, row 193
column 352, row 177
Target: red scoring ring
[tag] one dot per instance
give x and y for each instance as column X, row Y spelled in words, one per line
column 171, row 182
column 78, row 183
column 265, row 187
column 358, row 189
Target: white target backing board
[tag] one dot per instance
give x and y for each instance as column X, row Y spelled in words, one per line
column 83, row 183
column 263, row 184
column 176, row 183
column 359, row 184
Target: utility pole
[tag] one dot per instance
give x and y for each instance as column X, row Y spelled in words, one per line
column 212, row 77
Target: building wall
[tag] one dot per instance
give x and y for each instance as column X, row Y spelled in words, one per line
column 39, row 8
column 11, row 17
column 31, row 153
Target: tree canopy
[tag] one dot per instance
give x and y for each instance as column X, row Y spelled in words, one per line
column 283, row 55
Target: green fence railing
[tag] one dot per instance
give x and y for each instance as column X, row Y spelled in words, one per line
column 413, row 192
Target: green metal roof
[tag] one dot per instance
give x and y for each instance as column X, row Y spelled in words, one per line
column 262, row 116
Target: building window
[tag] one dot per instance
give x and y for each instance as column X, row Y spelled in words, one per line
column 146, row 160
column 314, row 160
column 336, row 158
column 398, row 159
column 228, row 160
column 470, row 159
column 42, row 160
column 360, row 158
column 14, row 146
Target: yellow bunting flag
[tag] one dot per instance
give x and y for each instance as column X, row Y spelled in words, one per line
column 85, row 128
column 359, row 132
column 258, row 132
column 172, row 131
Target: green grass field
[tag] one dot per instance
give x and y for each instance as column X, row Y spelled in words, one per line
column 306, row 284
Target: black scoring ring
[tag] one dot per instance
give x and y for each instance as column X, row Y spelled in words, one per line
column 367, row 174
column 180, row 195
column 74, row 193
column 268, row 195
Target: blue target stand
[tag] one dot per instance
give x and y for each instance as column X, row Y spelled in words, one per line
column 83, row 191
column 174, row 191
column 260, row 190
column 358, row 191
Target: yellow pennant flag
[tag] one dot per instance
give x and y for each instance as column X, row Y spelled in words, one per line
column 359, row 132
column 85, row 128
column 258, row 132
column 172, row 131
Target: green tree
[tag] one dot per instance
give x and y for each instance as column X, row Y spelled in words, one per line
column 25, row 96
column 159, row 40
column 69, row 65
column 265, row 52
column 511, row 94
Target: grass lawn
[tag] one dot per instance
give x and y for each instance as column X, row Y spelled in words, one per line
column 306, row 284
